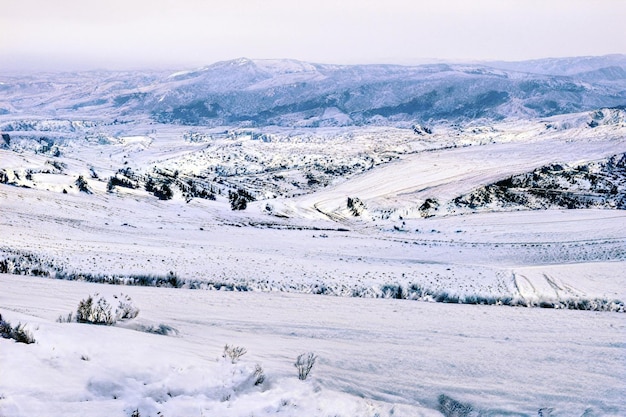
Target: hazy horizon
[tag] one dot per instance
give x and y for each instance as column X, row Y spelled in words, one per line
column 166, row 68
column 70, row 35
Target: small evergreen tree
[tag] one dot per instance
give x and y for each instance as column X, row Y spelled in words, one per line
column 150, row 186
column 239, row 199
column 164, row 192
column 82, row 185
column 110, row 184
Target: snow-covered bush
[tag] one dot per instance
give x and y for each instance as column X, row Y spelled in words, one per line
column 162, row 329
column 66, row 319
column 21, row 335
column 17, row 333
column 450, row 407
column 234, row 353
column 356, row 206
column 5, row 328
column 125, row 309
column 304, row 364
column 101, row 312
column 392, row 291
column 116, row 181
column 91, row 312
column 259, row 375
column 24, row 263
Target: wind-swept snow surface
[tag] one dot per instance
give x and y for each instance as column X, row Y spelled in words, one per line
column 376, row 357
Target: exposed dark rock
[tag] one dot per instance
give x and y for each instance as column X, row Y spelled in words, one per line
column 600, row 184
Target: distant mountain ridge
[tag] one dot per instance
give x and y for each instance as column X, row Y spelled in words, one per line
column 245, row 92
column 562, row 66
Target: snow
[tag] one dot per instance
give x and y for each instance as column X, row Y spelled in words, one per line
column 312, row 242
column 255, row 278
column 376, row 357
column 401, row 187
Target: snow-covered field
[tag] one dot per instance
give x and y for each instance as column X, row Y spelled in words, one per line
column 376, row 357
column 313, row 241
column 532, row 255
column 364, row 215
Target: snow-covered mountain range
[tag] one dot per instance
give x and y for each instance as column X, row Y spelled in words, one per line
column 257, row 93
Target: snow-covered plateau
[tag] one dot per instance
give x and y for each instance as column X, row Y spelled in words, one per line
column 446, row 240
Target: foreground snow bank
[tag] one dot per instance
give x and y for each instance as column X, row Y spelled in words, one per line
column 78, row 369
column 376, row 357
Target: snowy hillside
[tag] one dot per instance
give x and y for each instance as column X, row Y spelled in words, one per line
column 426, row 231
column 257, row 93
column 597, row 184
column 564, row 66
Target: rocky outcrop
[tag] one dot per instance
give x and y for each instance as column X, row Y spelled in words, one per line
column 599, row 184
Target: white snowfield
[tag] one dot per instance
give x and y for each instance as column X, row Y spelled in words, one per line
column 376, row 356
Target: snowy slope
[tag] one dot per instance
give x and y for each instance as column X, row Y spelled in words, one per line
column 314, row 242
column 401, row 187
column 376, row 357
column 213, row 181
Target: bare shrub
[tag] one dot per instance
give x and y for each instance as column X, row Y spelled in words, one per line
column 450, row 407
column 162, row 329
column 17, row 333
column 234, row 352
column 125, row 309
column 66, row 319
column 259, row 375
column 304, row 364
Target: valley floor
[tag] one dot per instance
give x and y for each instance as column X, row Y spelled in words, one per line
column 532, row 256
column 371, row 219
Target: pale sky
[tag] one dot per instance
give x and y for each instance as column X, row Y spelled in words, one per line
column 179, row 34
